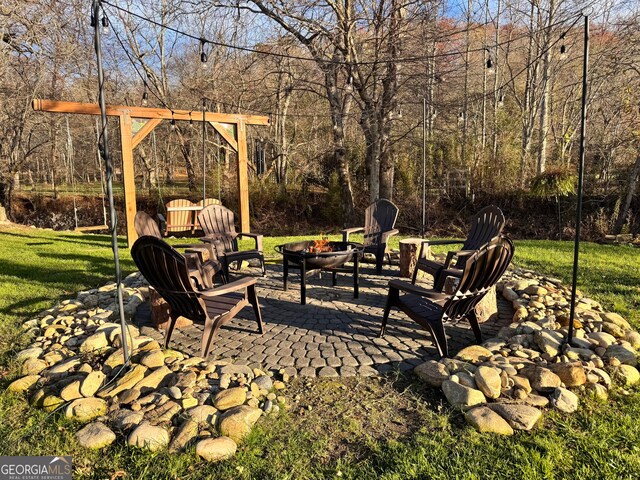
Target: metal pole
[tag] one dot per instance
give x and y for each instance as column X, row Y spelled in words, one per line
column 204, row 153
column 583, row 130
column 104, row 152
column 424, row 167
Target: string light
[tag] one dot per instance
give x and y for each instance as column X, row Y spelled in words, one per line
column 145, row 96
column 490, row 67
column 190, row 119
column 173, row 122
column 105, row 25
column 349, row 86
column 563, row 48
column 203, row 54
column 283, row 55
column 501, row 100
column 460, row 117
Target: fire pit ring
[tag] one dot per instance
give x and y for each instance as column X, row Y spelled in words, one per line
column 309, row 257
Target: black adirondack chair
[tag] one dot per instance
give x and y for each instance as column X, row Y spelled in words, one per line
column 202, row 260
column 485, row 225
column 431, row 309
column 218, row 225
column 379, row 222
column 166, row 271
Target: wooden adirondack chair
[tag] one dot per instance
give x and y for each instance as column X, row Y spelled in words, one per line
column 218, row 225
column 166, row 271
column 202, row 260
column 209, row 201
column 430, row 308
column 485, row 225
column 379, row 222
column 180, row 216
column 145, row 225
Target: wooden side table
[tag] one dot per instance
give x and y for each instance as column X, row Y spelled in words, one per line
column 409, row 251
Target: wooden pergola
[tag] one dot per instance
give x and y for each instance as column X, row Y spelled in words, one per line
column 138, row 122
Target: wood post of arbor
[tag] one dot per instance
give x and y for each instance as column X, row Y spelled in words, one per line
column 235, row 136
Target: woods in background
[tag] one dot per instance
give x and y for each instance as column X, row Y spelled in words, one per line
column 345, row 84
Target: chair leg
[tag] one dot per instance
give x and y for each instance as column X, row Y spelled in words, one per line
column 210, row 329
column 473, row 320
column 379, row 261
column 253, row 300
column 167, row 336
column 439, row 338
column 264, row 270
column 415, row 274
column 392, row 300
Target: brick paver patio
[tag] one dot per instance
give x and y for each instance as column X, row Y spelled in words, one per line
column 333, row 334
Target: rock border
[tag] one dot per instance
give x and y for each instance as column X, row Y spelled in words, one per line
column 504, row 384
column 163, row 399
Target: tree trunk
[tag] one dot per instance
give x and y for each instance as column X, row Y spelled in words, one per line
column 546, row 92
column 631, row 191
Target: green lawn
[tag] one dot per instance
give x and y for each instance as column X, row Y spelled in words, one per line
column 359, row 428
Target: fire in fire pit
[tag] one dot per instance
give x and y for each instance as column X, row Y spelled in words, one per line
column 320, row 246
column 320, row 255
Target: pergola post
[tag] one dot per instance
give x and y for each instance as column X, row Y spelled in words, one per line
column 129, row 178
column 243, row 178
column 237, row 140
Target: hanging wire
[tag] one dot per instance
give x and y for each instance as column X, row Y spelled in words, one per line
column 354, row 115
column 328, row 61
column 102, row 182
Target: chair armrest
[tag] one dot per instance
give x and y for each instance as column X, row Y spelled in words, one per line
column 444, row 242
column 256, row 237
column 193, row 260
column 456, row 253
column 385, row 236
column 416, row 290
column 228, row 288
column 348, row 231
column 428, row 243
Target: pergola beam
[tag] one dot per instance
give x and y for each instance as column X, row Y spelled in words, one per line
column 144, row 131
column 55, row 106
column 154, row 117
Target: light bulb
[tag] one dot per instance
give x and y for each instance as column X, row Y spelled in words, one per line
column 501, row 100
column 490, row 67
column 173, row 124
column 349, row 86
column 105, row 25
column 145, row 98
column 203, row 59
column 563, row 51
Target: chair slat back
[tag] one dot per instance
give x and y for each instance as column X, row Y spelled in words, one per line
column 485, row 225
column 218, row 222
column 209, row 201
column 482, row 270
column 179, row 221
column 145, row 225
column 380, row 217
column 166, row 271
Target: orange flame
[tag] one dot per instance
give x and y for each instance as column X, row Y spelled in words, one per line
column 320, row 246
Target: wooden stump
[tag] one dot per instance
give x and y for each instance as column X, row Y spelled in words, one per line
column 202, row 251
column 488, row 306
column 160, row 312
column 409, row 251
